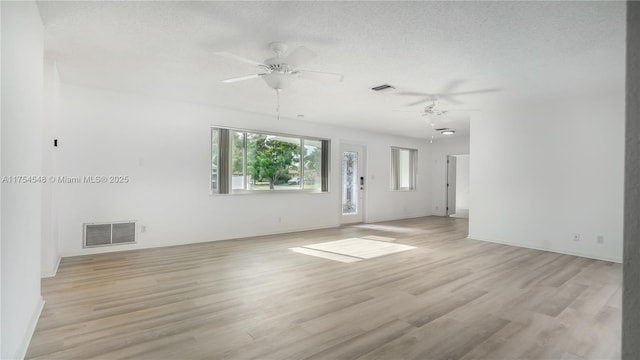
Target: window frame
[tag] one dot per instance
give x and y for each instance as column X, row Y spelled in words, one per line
column 413, row 169
column 324, row 162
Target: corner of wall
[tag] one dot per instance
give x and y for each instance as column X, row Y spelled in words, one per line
column 24, row 346
column 51, row 272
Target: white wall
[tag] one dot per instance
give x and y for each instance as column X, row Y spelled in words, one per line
column 438, row 169
column 462, row 182
column 164, row 147
column 50, row 257
column 545, row 171
column 22, row 48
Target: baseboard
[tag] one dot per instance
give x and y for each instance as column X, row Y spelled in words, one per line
column 22, row 351
column 131, row 247
column 53, row 272
column 573, row 253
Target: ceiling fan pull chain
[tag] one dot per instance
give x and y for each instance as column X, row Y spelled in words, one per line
column 278, row 103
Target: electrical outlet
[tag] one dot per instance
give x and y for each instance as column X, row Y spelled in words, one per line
column 279, row 219
column 143, row 228
column 576, row 237
column 600, row 239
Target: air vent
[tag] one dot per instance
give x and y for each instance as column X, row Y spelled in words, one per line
column 384, row 87
column 101, row 234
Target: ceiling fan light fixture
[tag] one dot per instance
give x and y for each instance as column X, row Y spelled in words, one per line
column 448, row 132
column 278, row 81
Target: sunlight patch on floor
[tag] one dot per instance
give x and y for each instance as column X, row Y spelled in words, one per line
column 353, row 249
column 378, row 238
column 325, row 255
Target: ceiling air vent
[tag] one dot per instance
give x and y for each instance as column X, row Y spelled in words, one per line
column 383, row 87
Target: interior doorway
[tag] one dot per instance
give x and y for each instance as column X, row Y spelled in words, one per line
column 458, row 186
column 353, row 183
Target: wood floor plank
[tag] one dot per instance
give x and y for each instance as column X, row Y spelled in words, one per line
column 560, row 299
column 444, row 338
column 444, row 304
column 372, row 314
column 365, row 343
column 253, row 298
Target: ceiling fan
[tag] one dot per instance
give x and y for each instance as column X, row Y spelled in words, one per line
column 446, row 94
column 281, row 70
column 433, row 110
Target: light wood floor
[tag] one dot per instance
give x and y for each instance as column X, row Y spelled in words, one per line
column 451, row 298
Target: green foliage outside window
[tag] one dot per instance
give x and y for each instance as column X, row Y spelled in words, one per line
column 271, row 159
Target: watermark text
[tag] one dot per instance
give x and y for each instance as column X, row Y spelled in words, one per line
column 64, row 179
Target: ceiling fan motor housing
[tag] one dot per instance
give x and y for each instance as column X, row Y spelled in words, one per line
column 279, row 47
column 277, row 64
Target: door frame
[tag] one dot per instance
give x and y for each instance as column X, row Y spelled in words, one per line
column 362, row 194
column 450, row 183
column 447, row 212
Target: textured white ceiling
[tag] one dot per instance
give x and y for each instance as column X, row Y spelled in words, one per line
column 166, row 49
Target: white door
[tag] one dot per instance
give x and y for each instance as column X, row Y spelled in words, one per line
column 451, row 184
column 353, row 183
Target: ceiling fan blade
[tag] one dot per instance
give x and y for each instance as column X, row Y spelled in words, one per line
column 450, row 99
column 446, row 96
column 237, row 57
column 299, row 56
column 425, row 97
column 241, row 78
column 320, row 75
column 419, row 102
column 481, row 91
column 452, row 85
column 410, row 93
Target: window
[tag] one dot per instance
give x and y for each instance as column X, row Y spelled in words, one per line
column 245, row 161
column 403, row 168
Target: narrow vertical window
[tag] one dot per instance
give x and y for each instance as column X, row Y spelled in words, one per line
column 238, row 160
column 403, row 168
column 312, row 161
column 215, row 147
